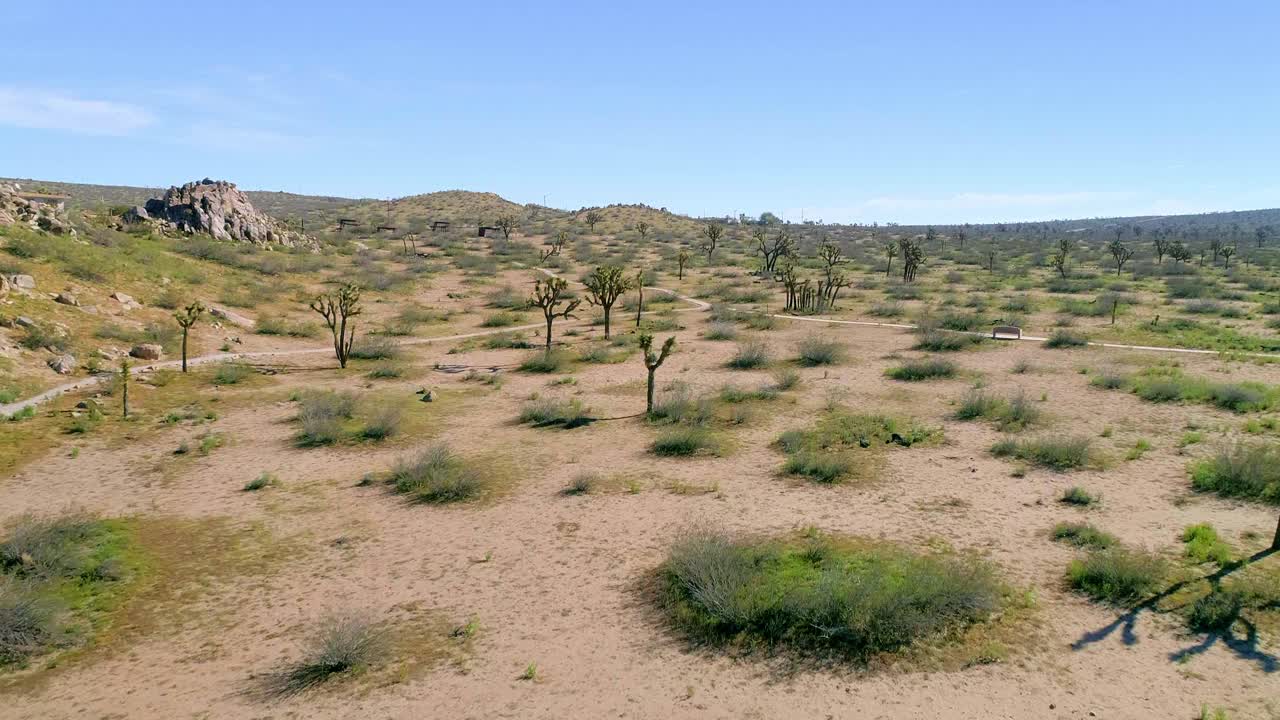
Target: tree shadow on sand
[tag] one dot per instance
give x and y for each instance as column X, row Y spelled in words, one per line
column 1244, row 645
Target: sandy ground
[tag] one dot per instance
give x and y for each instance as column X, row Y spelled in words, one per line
column 561, row 587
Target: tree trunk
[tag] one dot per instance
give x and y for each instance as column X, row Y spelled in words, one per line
column 184, row 349
column 607, row 308
column 1275, row 542
column 648, row 408
column 549, row 321
column 640, row 304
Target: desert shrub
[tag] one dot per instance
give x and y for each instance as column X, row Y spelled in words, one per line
column 438, row 476
column 760, row 321
column 720, row 331
column 824, row 467
column 1242, row 470
column 978, row 403
column 1076, row 495
column 685, row 441
column 820, row 351
column 944, row 341
column 887, row 309
column 922, row 369
column 275, row 325
column 1109, row 380
column 1117, row 575
column 384, row 371
column 507, row 341
column 264, row 480
column 28, row 622
column 785, row 379
column 544, row 412
column 321, row 415
column 851, row 598
column 1240, row 397
column 375, row 347
column 383, row 422
column 230, row 373
column 1204, row 545
column 1055, row 453
column 750, row 355
column 1187, row 288
column 342, row 644
column 509, row 298
column 581, row 484
column 1215, row 612
column 545, row 362
column 675, row 404
column 1065, row 339
column 41, row 335
column 500, row 319
column 1083, row 535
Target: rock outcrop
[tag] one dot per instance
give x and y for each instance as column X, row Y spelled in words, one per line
column 15, row 210
column 219, row 209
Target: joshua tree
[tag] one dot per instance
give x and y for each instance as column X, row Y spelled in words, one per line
column 639, row 283
column 682, row 259
column 1227, row 252
column 593, row 217
column 781, row 246
column 187, row 317
column 1162, row 245
column 606, row 284
column 507, row 224
column 338, row 309
column 712, row 232
column 124, row 387
column 912, row 257
column 557, row 245
column 654, row 361
column 891, row 252
column 1179, row 252
column 991, row 258
column 548, row 294
column 1120, row 253
column 960, row 236
column 642, row 227
column 1061, row 257
column 1215, row 247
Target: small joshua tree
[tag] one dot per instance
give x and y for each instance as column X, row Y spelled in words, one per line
column 592, row 218
column 643, row 228
column 712, row 233
column 890, row 252
column 1119, row 253
column 187, row 317
column 1227, row 251
column 605, row 285
column 557, row 245
column 652, row 362
column 1061, row 257
column 682, row 259
column 639, row 283
column 338, row 309
column 548, row 295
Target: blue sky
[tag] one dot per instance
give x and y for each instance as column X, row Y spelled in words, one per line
column 905, row 111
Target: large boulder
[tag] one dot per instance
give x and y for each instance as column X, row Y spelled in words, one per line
column 63, row 364
column 23, row 282
column 147, row 351
column 219, row 209
column 18, row 210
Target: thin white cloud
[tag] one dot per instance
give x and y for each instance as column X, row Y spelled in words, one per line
column 44, row 110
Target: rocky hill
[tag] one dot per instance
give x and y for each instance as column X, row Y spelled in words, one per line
column 17, row 209
column 217, row 208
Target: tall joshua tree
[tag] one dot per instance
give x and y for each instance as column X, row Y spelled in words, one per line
column 712, row 233
column 643, row 228
column 639, row 285
column 339, row 308
column 890, row 252
column 682, row 259
column 548, row 295
column 653, row 361
column 592, row 218
column 187, row 317
column 606, row 284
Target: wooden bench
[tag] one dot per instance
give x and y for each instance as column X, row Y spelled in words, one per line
column 439, row 225
column 1006, row 332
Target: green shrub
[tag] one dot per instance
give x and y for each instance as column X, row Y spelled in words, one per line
column 1243, row 470
column 720, row 331
column 273, row 325
column 501, row 319
column 944, row 341
column 581, row 484
column 750, row 355
column 977, row 403
column 1109, row 381
column 385, row 371
column 1084, row 535
column 321, row 415
column 851, row 598
column 230, row 373
column 507, row 341
column 544, row 362
column 1117, row 575
column 1055, row 453
column 1215, row 612
column 922, row 369
column 824, row 467
column 383, row 422
column 375, row 347
column 676, row 404
column 785, row 379
column 820, row 351
column 545, row 412
column 1076, row 495
column 1204, row 545
column 1065, row 339
column 684, row 442
column 343, row 644
column 438, row 476
column 264, row 480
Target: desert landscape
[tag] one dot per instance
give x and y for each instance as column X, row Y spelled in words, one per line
column 273, row 455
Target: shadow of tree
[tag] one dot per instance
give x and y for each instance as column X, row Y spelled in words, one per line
column 1246, row 645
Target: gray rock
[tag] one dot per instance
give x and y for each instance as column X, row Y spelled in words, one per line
column 147, row 351
column 220, row 209
column 136, row 214
column 24, row 321
column 67, row 299
column 23, row 282
column 122, row 298
column 63, row 364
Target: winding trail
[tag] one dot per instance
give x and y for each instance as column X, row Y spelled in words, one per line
column 694, row 305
